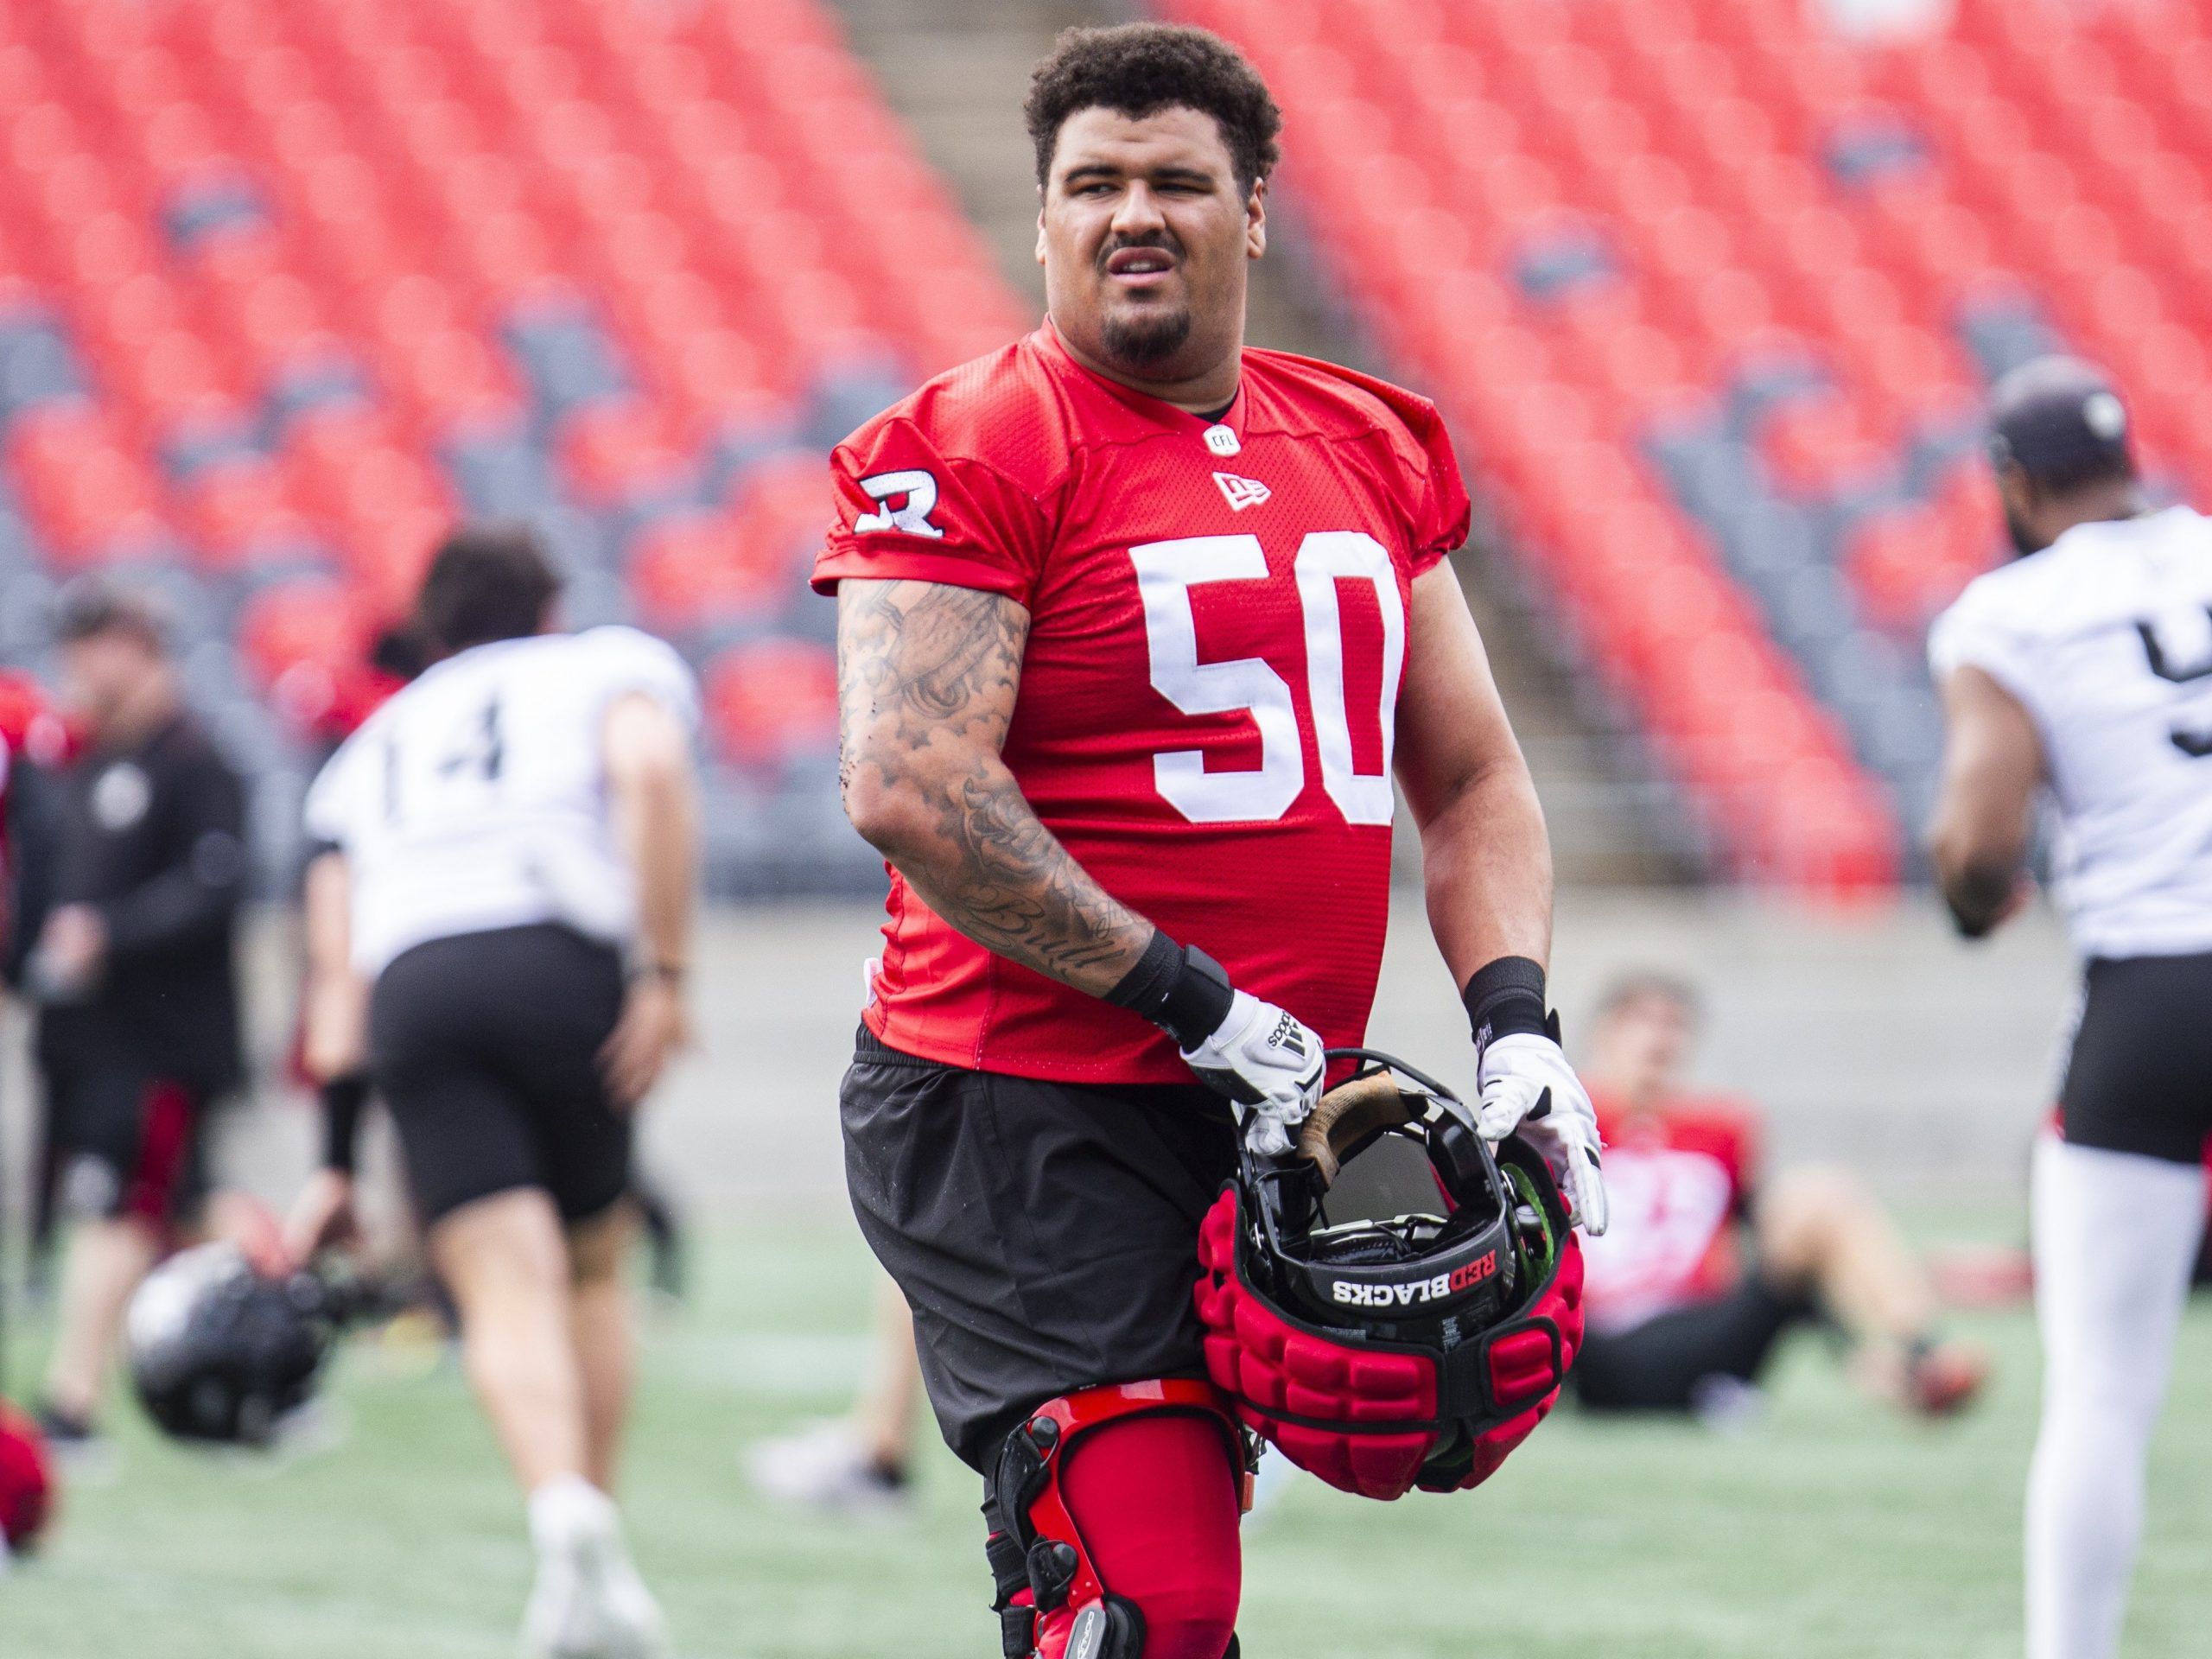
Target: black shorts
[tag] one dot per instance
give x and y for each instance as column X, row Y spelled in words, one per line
column 2138, row 1075
column 1661, row 1365
column 124, row 1142
column 1045, row 1234
column 485, row 1049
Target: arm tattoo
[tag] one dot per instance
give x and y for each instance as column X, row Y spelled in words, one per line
column 927, row 676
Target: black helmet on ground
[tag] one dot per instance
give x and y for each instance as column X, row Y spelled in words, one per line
column 220, row 1353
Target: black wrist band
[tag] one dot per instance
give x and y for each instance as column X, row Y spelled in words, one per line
column 1180, row 988
column 343, row 1101
column 1504, row 998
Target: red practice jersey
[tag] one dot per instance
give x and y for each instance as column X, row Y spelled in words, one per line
column 1217, row 633
column 1678, row 1180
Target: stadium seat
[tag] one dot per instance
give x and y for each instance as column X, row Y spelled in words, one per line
column 772, row 702
column 695, row 574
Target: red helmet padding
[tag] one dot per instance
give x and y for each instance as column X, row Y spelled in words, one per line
column 1268, row 1365
column 26, row 1478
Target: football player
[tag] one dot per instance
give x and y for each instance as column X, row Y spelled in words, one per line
column 1709, row 1261
column 516, row 836
column 134, row 969
column 1136, row 626
column 2079, row 674
column 32, row 747
column 31, row 744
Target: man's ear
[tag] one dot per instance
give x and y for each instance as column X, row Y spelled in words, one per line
column 1255, row 220
column 1040, row 224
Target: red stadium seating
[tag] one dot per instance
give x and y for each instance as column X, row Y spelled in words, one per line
column 296, row 253
column 1582, row 224
column 772, row 701
column 284, row 287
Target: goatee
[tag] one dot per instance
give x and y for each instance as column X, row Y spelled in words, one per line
column 1145, row 339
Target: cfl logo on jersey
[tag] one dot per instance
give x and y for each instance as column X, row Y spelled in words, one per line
column 907, row 499
column 1437, row 1288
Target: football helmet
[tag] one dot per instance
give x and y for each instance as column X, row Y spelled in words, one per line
column 219, row 1352
column 1413, row 1344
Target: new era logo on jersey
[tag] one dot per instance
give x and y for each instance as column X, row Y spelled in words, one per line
column 1242, row 492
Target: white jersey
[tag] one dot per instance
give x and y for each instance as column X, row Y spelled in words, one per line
column 2105, row 638
column 475, row 798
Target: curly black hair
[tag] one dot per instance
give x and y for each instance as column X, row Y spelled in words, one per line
column 1137, row 69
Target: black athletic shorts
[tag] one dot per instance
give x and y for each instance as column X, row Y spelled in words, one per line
column 1045, row 1234
column 124, row 1142
column 485, row 1049
column 1660, row 1364
column 2138, row 1075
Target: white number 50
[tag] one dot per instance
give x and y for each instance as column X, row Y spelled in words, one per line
column 1166, row 571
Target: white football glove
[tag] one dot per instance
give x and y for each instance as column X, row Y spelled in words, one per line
column 1516, row 1073
column 1267, row 1062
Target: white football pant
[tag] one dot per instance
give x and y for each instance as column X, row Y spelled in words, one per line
column 2115, row 1237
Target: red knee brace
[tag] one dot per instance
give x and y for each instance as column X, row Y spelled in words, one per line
column 1130, row 1549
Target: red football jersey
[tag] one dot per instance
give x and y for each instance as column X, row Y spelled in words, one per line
column 1678, row 1180
column 1217, row 633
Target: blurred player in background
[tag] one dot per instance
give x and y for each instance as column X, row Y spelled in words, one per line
column 1129, row 619
column 1709, row 1262
column 331, row 1049
column 2082, row 673
column 31, row 744
column 517, row 841
column 136, row 973
column 859, row 1463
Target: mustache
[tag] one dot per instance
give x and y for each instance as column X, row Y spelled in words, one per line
column 1157, row 240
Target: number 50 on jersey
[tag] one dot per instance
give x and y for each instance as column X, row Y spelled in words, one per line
column 1166, row 572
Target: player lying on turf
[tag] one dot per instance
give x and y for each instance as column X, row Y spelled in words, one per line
column 2077, row 674
column 516, row 836
column 1708, row 1262
column 1135, row 625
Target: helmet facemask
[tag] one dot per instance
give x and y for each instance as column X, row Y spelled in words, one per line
column 1398, row 1215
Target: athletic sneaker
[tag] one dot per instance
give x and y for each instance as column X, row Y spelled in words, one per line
column 588, row 1602
column 825, row 1467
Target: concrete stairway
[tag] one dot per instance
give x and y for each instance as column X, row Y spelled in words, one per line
column 956, row 70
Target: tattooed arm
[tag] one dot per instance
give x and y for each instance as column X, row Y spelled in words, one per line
column 926, row 677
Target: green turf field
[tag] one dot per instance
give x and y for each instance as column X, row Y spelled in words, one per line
column 1828, row 1530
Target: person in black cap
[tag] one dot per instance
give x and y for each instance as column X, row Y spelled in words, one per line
column 2082, row 672
column 2059, row 441
column 135, row 971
